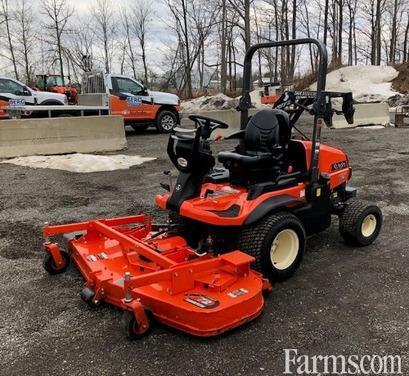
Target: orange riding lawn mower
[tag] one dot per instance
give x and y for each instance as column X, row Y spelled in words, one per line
column 232, row 230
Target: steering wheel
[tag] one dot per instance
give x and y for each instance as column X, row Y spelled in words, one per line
column 208, row 124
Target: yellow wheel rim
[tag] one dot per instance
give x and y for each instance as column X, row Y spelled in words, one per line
column 368, row 226
column 284, row 249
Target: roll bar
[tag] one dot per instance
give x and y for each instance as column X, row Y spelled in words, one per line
column 319, row 104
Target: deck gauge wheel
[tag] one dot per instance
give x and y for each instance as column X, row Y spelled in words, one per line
column 133, row 328
column 53, row 269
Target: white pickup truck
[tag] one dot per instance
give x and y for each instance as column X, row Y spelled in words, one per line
column 130, row 99
column 15, row 93
column 102, row 94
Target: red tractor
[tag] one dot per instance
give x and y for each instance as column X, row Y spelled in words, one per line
column 54, row 83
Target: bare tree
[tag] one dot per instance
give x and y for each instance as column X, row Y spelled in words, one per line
column 223, row 46
column 6, row 19
column 352, row 8
column 378, row 30
column 140, row 21
column 126, row 23
column 58, row 13
column 26, row 36
column 396, row 5
column 81, row 46
column 405, row 40
column 340, row 30
column 193, row 22
column 242, row 8
column 103, row 13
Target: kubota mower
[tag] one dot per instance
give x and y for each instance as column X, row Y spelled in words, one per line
column 194, row 272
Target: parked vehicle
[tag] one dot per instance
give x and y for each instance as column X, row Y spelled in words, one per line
column 130, row 99
column 15, row 93
column 55, row 84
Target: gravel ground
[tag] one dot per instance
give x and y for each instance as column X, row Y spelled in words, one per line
column 341, row 301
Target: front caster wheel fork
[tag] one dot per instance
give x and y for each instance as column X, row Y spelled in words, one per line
column 136, row 323
column 55, row 260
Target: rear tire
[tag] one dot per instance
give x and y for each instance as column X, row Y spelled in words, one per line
column 166, row 121
column 277, row 243
column 360, row 223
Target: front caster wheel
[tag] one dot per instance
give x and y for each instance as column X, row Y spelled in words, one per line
column 53, row 269
column 133, row 328
column 359, row 223
column 277, row 242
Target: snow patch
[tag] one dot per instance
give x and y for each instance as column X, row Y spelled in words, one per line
column 371, row 127
column 368, row 83
column 81, row 163
column 209, row 103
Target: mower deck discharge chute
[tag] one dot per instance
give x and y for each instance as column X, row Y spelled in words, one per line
column 193, row 273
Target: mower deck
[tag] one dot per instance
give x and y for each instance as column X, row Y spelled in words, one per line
column 125, row 264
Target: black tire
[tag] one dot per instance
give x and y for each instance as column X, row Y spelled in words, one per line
column 166, row 121
column 139, row 128
column 257, row 240
column 351, row 223
column 50, row 267
column 87, row 295
column 132, row 326
column 51, row 102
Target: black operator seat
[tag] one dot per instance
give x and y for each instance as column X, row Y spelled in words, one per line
column 263, row 153
column 265, row 139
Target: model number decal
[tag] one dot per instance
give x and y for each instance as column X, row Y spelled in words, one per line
column 339, row 166
column 201, row 301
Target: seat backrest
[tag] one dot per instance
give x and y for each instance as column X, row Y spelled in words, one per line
column 267, row 129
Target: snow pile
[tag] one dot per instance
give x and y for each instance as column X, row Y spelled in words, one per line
column 81, row 163
column 220, row 102
column 368, row 83
column 209, row 103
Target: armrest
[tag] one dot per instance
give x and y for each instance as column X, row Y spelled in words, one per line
column 235, row 135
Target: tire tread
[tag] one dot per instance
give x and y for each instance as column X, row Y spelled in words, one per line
column 252, row 237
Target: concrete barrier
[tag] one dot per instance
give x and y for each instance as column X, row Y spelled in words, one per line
column 365, row 114
column 230, row 117
column 19, row 137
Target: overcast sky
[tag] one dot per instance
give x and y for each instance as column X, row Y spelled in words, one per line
column 158, row 36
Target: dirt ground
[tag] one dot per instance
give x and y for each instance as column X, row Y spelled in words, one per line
column 341, row 301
